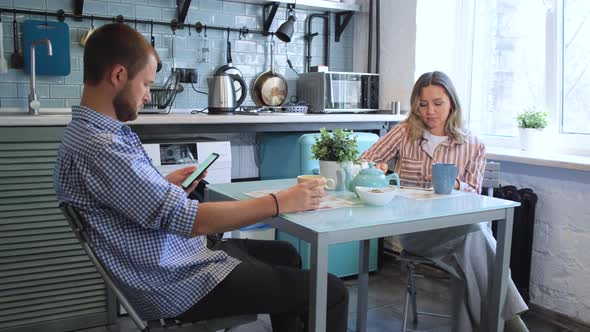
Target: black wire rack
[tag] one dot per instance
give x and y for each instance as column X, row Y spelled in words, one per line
column 163, row 97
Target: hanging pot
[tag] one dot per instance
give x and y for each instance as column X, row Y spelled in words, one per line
column 270, row 88
column 88, row 33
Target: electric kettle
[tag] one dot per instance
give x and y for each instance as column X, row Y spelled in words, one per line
column 222, row 94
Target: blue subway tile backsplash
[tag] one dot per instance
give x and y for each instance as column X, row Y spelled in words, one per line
column 249, row 53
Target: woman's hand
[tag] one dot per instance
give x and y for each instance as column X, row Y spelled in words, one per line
column 382, row 166
column 178, row 176
column 301, row 197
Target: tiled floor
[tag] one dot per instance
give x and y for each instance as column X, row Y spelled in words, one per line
column 386, row 304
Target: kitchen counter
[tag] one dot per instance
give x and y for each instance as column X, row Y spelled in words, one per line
column 183, row 125
column 61, row 117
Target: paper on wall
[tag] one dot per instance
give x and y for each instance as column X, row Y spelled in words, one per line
column 153, row 152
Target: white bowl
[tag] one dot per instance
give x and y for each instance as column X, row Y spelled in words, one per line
column 376, row 196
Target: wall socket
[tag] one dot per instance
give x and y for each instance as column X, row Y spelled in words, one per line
column 188, row 75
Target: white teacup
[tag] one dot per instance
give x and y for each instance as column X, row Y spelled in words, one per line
column 330, row 184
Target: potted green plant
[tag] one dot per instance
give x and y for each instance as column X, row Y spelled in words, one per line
column 334, row 150
column 531, row 122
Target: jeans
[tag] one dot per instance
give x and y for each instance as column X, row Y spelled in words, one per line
column 269, row 280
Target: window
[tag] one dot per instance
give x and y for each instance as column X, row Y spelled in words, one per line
column 576, row 67
column 520, row 54
column 509, row 64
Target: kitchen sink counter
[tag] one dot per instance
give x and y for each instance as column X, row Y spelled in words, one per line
column 61, row 117
column 186, row 125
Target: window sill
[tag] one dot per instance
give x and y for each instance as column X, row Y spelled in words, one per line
column 547, row 159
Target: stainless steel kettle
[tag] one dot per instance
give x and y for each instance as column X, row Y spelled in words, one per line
column 222, row 94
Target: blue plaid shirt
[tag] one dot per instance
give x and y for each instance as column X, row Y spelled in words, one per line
column 139, row 223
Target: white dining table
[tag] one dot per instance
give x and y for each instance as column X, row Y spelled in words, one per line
column 362, row 223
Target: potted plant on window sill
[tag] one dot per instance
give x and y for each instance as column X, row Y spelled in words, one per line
column 335, row 150
column 531, row 122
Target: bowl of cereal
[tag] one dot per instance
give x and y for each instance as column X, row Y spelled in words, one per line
column 376, row 196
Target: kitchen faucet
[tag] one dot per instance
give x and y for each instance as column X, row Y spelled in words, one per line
column 34, row 103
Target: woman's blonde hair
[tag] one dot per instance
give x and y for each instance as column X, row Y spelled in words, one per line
column 454, row 124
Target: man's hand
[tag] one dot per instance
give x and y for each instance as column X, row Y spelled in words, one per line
column 301, row 197
column 178, row 176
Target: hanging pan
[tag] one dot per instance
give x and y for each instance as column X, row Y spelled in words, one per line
column 270, row 88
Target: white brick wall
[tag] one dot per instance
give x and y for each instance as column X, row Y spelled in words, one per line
column 560, row 271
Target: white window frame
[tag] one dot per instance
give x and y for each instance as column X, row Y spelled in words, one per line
column 561, row 142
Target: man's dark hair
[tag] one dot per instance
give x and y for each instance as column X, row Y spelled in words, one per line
column 113, row 44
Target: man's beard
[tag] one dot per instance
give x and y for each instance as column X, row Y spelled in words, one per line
column 124, row 108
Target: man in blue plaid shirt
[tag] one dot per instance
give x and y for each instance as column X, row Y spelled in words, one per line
column 145, row 229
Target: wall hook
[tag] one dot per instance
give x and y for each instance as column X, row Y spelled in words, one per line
column 174, row 25
column 243, row 32
column 61, row 15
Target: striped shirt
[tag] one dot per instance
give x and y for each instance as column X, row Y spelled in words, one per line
column 139, row 224
column 414, row 163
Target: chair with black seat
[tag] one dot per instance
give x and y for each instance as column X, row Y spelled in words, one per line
column 226, row 323
column 410, row 261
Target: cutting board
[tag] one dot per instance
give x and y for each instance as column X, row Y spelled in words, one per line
column 59, row 34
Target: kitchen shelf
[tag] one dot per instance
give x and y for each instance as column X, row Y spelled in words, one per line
column 319, row 5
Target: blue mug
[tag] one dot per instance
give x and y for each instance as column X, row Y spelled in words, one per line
column 443, row 177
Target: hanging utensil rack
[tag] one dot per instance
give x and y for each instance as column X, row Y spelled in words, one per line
column 61, row 15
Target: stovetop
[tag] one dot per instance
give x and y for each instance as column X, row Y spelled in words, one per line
column 280, row 110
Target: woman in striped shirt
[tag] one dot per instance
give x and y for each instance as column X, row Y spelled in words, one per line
column 434, row 133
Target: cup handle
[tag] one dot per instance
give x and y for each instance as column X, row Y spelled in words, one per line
column 396, row 177
column 330, row 184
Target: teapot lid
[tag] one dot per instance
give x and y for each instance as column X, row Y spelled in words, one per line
column 371, row 170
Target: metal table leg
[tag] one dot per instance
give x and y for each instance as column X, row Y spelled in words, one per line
column 318, row 288
column 363, row 286
column 499, row 277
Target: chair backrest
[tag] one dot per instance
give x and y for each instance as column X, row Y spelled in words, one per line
column 77, row 223
column 75, row 220
column 491, row 177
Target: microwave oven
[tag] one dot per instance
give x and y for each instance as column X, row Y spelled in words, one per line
column 339, row 92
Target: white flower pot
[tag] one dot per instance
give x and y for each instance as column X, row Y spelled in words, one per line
column 531, row 139
column 329, row 169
